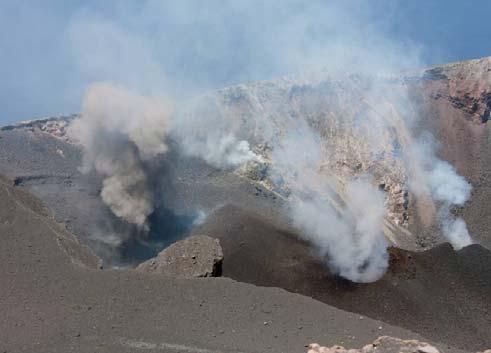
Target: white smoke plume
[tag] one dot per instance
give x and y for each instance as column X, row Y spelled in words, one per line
column 350, row 238
column 345, row 227
column 450, row 189
column 205, row 129
column 447, row 189
column 120, row 131
column 221, row 150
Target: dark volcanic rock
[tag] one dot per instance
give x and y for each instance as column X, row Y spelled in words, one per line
column 196, row 256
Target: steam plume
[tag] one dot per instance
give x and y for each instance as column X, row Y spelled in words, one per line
column 206, row 129
column 351, row 238
column 120, row 131
column 345, row 227
column 450, row 189
column 446, row 187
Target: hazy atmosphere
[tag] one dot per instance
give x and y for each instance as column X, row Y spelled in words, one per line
column 51, row 50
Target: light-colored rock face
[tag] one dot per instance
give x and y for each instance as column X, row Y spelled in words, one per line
column 195, row 256
column 365, row 126
column 361, row 131
column 382, row 344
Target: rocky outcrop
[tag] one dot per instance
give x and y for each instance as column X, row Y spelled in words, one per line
column 195, row 256
column 466, row 85
column 384, row 344
column 54, row 126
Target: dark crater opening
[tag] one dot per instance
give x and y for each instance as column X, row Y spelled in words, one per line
column 166, row 227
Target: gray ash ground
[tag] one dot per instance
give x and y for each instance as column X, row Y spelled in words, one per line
column 54, row 299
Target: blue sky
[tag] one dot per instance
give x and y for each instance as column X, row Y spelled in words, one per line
column 51, row 50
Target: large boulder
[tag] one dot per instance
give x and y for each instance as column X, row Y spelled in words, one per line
column 195, row 256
